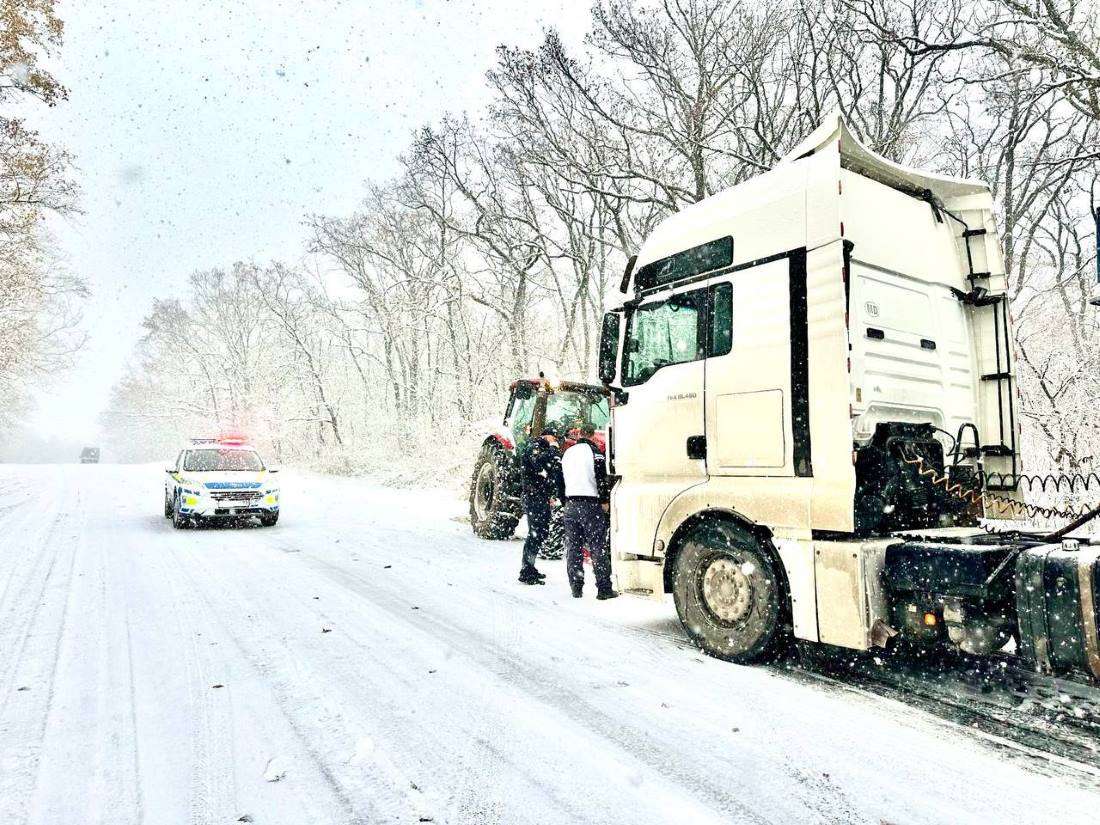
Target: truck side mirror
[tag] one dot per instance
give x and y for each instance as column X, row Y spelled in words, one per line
column 609, row 346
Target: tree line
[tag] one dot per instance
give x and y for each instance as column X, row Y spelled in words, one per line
column 39, row 302
column 489, row 254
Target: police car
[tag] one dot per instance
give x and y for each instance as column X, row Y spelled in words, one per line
column 217, row 479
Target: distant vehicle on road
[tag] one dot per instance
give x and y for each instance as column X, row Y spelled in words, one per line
column 220, row 479
column 89, row 455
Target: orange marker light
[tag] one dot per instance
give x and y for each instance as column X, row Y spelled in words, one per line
column 929, row 619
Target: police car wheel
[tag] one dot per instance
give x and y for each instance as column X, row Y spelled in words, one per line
column 179, row 520
column 167, row 506
column 269, row 520
column 729, row 594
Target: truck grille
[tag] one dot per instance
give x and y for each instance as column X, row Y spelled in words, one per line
column 236, row 495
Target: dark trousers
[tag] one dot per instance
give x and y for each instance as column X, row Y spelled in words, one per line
column 585, row 525
column 537, row 509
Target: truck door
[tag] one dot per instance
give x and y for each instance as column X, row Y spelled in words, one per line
column 756, row 421
column 659, row 436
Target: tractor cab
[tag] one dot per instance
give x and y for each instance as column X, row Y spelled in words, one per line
column 576, row 408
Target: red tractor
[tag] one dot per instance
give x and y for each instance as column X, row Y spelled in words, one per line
column 495, row 506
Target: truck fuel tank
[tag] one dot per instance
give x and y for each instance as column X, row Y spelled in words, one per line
column 1058, row 603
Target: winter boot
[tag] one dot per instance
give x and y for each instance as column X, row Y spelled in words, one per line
column 577, row 588
column 531, row 576
column 604, row 595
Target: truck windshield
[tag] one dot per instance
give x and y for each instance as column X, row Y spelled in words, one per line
column 207, row 461
column 663, row 333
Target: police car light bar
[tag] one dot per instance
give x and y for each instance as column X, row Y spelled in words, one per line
column 230, row 439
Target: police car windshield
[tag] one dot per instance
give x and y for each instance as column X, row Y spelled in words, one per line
column 200, row 461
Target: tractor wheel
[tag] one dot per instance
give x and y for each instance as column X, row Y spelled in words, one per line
column 554, row 546
column 729, row 594
column 495, row 505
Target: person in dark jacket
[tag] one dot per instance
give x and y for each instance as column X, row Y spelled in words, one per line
column 584, row 518
column 540, row 470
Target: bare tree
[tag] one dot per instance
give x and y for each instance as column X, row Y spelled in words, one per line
column 38, row 302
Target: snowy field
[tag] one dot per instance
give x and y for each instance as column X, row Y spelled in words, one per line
column 369, row 661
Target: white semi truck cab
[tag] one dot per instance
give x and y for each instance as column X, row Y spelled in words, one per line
column 802, row 366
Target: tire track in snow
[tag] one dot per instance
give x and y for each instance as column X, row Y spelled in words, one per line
column 356, row 679
column 213, row 767
column 568, row 694
column 262, row 657
column 88, row 761
column 25, row 551
column 562, row 697
column 33, row 630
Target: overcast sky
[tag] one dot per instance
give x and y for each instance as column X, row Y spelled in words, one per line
column 205, row 131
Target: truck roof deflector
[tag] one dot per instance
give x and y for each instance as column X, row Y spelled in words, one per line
column 857, row 157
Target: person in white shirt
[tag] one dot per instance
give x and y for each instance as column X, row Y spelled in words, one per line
column 584, row 517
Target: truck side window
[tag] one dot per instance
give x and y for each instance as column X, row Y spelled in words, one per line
column 695, row 261
column 721, row 320
column 664, row 333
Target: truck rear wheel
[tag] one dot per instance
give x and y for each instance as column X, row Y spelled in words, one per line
column 728, row 593
column 495, row 505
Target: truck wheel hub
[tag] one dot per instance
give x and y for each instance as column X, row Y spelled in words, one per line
column 727, row 591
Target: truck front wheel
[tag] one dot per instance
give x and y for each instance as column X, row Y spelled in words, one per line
column 728, row 593
column 495, row 505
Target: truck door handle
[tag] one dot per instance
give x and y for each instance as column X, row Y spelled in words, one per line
column 697, row 446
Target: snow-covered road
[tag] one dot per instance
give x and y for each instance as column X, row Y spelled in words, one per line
column 368, row 660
